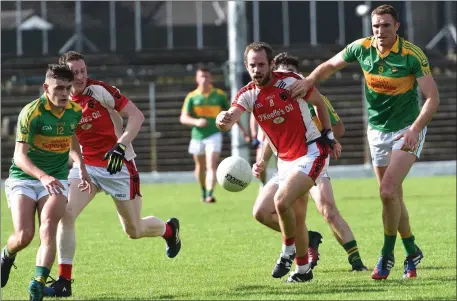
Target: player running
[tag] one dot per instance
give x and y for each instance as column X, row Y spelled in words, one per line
column 37, row 180
column 302, row 150
column 393, row 68
column 322, row 194
column 111, row 166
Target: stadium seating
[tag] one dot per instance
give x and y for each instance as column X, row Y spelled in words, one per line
column 166, row 150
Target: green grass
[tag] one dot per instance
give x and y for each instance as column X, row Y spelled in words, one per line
column 226, row 254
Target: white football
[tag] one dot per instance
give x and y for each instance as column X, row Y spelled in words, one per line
column 234, row 174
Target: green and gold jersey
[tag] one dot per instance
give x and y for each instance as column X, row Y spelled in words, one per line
column 334, row 118
column 390, row 81
column 207, row 106
column 49, row 136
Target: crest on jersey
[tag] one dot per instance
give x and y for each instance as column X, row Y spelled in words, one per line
column 91, row 103
column 24, row 130
column 73, row 125
column 283, row 95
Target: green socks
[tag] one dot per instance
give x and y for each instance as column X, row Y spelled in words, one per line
column 41, row 274
column 389, row 245
column 409, row 245
column 353, row 253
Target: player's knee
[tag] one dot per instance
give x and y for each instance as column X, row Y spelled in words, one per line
column 387, row 193
column 48, row 229
column 330, row 213
column 24, row 237
column 259, row 214
column 281, row 204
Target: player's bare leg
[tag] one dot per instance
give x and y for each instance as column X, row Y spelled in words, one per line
column 413, row 253
column 296, row 185
column 264, row 209
column 212, row 158
column 135, row 227
column 264, row 212
column 303, row 270
column 322, row 195
column 51, row 210
column 200, row 173
column 23, row 215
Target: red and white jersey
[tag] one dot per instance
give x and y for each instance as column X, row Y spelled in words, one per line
column 101, row 125
column 287, row 123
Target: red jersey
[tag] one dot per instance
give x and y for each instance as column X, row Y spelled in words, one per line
column 287, row 123
column 101, row 125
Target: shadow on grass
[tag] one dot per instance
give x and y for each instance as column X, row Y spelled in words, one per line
column 350, row 287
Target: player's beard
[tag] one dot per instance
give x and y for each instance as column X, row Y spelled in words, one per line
column 261, row 81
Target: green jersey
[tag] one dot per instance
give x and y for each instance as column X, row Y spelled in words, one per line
column 334, row 118
column 390, row 81
column 49, row 136
column 207, row 106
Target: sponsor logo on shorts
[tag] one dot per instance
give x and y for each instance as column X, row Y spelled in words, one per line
column 235, row 181
column 120, row 195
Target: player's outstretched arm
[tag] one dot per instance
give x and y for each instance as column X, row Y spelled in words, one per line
column 135, row 120
column 226, row 119
column 299, row 88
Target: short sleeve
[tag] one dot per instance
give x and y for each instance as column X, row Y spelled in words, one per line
column 245, row 99
column 334, row 118
column 420, row 64
column 113, row 98
column 188, row 104
column 25, row 126
column 352, row 51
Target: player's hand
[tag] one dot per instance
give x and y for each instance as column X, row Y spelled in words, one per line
column 52, row 185
column 258, row 168
column 223, row 118
column 299, row 88
column 410, row 139
column 115, row 157
column 201, row 123
column 255, row 143
column 247, row 139
column 336, row 151
column 86, row 182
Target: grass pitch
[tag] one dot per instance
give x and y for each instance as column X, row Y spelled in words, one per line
column 227, row 255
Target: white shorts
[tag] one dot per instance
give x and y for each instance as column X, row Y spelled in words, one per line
column 314, row 164
column 31, row 188
column 211, row 144
column 382, row 144
column 122, row 186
